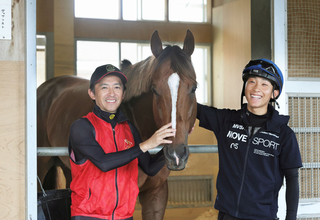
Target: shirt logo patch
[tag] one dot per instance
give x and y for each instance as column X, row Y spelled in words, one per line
column 271, row 134
column 240, row 127
column 110, row 68
column 127, row 144
column 265, row 142
column 234, row 145
column 262, row 153
column 236, row 136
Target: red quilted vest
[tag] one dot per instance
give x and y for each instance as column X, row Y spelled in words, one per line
column 105, row 195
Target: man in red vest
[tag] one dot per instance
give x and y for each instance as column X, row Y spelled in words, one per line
column 105, row 152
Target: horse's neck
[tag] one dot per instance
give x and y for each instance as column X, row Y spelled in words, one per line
column 139, row 111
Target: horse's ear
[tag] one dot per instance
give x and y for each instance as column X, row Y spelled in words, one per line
column 188, row 45
column 156, row 44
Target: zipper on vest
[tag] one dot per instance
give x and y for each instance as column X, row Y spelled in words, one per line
column 243, row 177
column 244, row 170
column 116, row 177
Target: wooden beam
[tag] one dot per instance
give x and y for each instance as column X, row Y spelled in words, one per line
column 140, row 30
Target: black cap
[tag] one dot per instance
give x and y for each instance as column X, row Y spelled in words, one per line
column 105, row 70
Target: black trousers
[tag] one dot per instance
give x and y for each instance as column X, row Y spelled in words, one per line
column 224, row 216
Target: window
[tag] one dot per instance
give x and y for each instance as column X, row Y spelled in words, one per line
column 189, row 11
column 134, row 10
column 201, row 62
column 135, row 52
column 144, row 10
column 41, row 59
column 91, row 54
column 100, row 9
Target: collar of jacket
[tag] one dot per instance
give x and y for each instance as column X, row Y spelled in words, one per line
column 120, row 117
column 274, row 123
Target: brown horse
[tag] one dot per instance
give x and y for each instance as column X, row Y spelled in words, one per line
column 160, row 89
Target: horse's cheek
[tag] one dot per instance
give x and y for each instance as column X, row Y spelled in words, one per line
column 157, row 112
column 192, row 110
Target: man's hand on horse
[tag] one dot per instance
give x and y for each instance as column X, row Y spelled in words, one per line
column 158, row 138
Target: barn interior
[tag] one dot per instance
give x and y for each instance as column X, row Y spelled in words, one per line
column 230, row 33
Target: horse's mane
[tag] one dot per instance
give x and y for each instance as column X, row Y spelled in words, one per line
column 140, row 74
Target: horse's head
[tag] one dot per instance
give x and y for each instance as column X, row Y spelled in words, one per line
column 174, row 100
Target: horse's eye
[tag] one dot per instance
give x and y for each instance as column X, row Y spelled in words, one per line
column 194, row 88
column 154, row 90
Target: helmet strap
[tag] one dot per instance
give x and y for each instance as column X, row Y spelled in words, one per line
column 274, row 99
column 242, row 94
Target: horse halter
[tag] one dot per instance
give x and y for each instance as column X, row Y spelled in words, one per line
column 266, row 69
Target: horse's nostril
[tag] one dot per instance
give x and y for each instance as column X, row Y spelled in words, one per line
column 186, row 152
column 176, row 157
column 183, row 152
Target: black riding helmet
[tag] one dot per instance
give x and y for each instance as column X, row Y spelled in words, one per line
column 263, row 68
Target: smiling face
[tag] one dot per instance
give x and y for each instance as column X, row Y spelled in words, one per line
column 108, row 93
column 258, row 92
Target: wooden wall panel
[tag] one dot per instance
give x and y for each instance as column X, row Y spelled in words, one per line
column 45, row 15
column 63, row 37
column 231, row 51
column 132, row 30
column 12, row 140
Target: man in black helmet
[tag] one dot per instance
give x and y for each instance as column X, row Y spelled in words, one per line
column 256, row 149
column 105, row 150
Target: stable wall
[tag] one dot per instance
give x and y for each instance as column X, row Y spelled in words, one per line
column 231, row 51
column 12, row 118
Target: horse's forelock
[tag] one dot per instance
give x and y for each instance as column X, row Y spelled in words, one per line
column 140, row 74
column 180, row 62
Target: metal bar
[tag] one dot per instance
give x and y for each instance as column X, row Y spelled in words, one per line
column 63, row 151
column 306, row 129
column 280, row 57
column 52, row 151
column 31, row 118
column 312, row 165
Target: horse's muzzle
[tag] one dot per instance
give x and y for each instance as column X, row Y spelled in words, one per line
column 176, row 156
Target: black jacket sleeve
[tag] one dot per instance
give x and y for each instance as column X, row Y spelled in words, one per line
column 84, row 145
column 292, row 192
column 151, row 165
